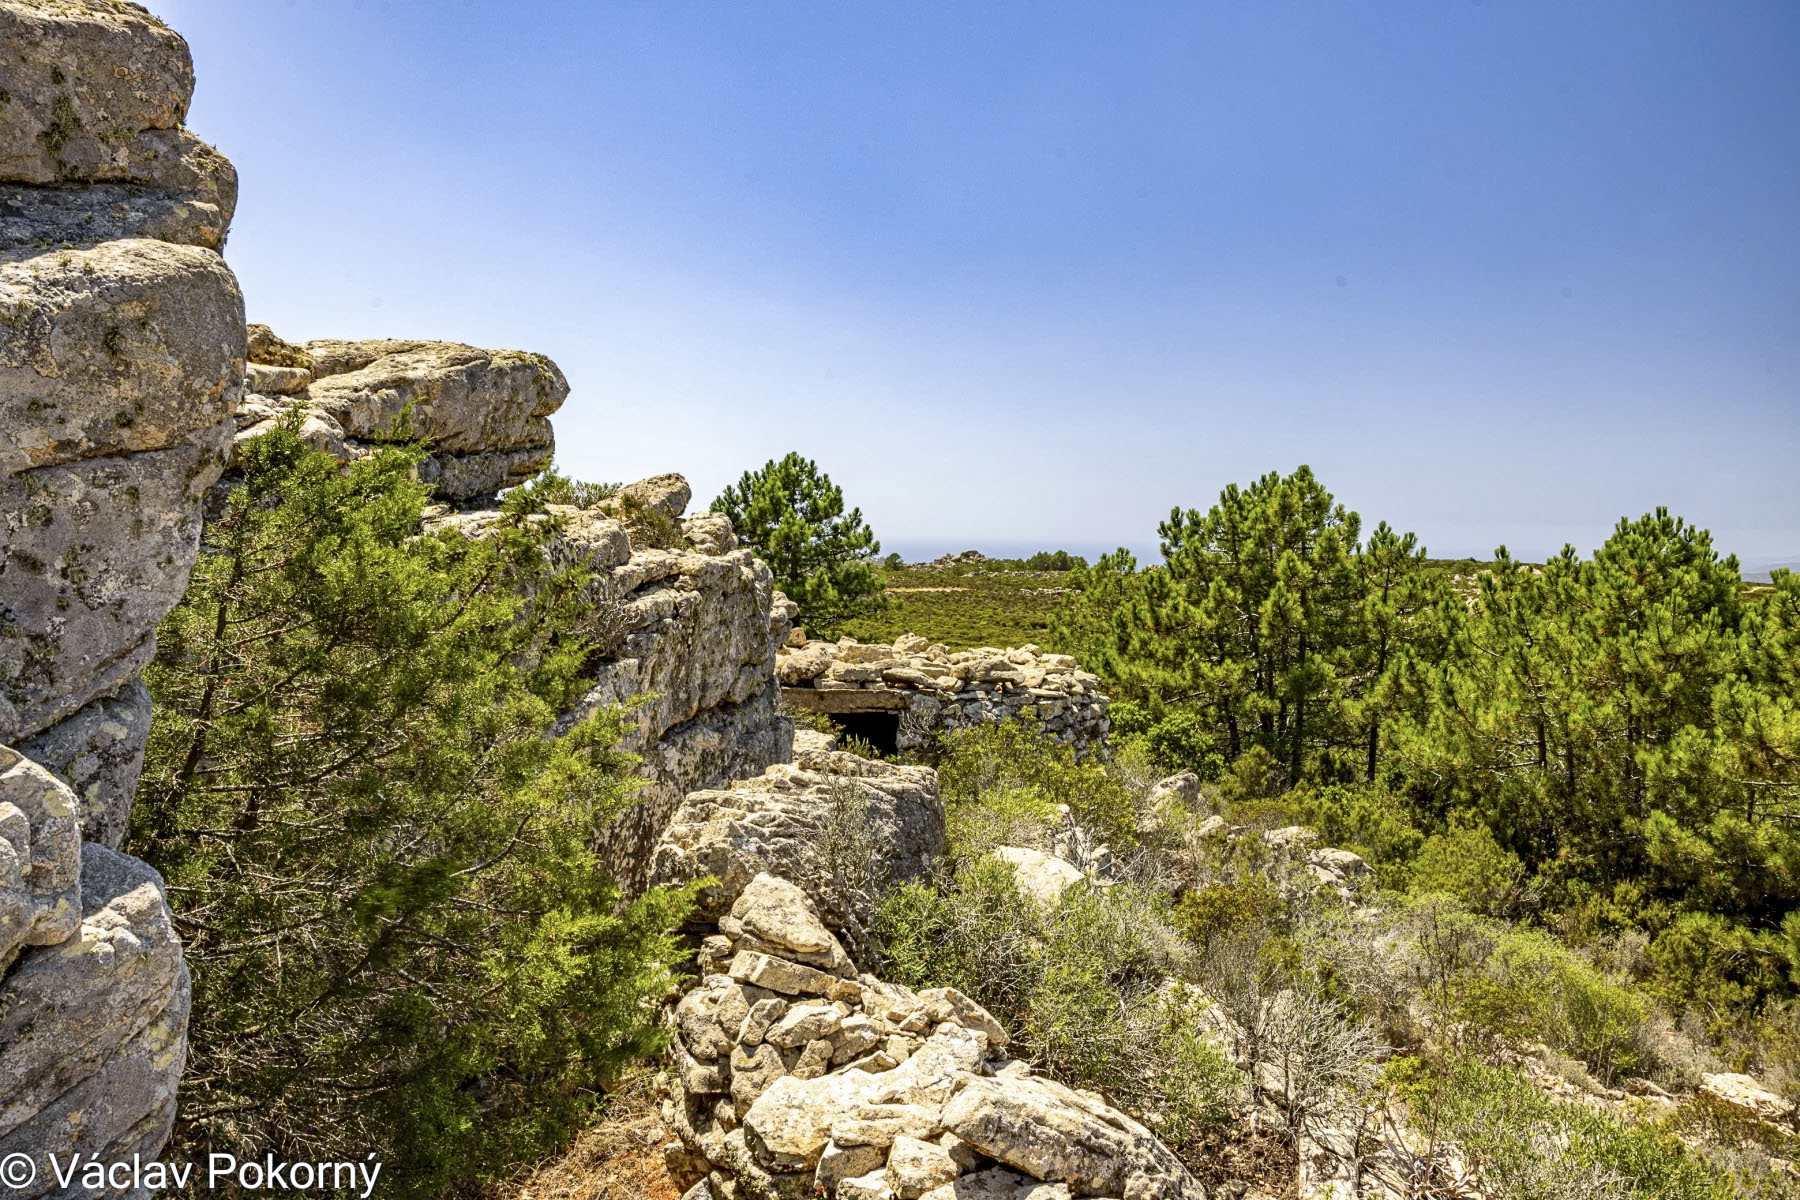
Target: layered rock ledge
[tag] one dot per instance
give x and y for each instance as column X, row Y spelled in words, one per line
column 484, row 415
column 121, row 361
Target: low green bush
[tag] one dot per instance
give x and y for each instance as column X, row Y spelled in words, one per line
column 1466, row 862
column 1079, row 986
column 1529, row 1146
column 1012, row 764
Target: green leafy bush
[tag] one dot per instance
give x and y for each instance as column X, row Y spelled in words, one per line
column 1176, row 737
column 1467, row 862
column 1529, row 1146
column 376, row 848
column 1079, row 986
column 1012, row 770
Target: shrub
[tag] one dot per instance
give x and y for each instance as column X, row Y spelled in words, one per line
column 1175, row 737
column 1013, row 764
column 1548, row 992
column 1079, row 987
column 1467, row 863
column 375, row 845
column 1216, row 911
column 551, row 486
column 1365, row 818
column 1528, row 1145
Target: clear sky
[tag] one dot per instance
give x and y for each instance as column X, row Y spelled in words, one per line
column 1032, row 273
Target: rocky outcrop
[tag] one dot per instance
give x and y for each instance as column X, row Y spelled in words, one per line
column 795, row 1076
column 928, row 689
column 688, row 624
column 121, row 360
column 484, row 415
column 97, row 91
column 851, row 824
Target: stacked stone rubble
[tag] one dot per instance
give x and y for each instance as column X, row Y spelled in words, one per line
column 933, row 689
column 121, row 360
column 796, row 1076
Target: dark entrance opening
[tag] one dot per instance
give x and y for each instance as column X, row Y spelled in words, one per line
column 880, row 729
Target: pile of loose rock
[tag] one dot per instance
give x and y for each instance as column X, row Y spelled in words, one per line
column 796, row 1076
column 932, row 688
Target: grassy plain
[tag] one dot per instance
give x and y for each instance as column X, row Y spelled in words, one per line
column 970, row 604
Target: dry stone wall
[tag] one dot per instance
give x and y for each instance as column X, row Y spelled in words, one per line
column 928, row 689
column 121, row 361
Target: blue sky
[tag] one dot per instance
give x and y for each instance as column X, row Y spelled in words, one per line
column 1027, row 274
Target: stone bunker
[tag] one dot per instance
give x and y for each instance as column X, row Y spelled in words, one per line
column 900, row 697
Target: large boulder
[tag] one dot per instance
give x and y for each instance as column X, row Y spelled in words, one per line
column 118, row 372
column 458, row 399
column 93, row 1029
column 1056, row 1133
column 793, row 819
column 96, row 92
column 1747, row 1094
column 1041, row 877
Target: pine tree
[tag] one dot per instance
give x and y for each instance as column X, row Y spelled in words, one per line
column 1269, row 617
column 823, row 557
column 375, row 842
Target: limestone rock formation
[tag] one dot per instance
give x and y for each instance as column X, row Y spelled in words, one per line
column 94, row 1036
column 121, row 361
column 829, row 816
column 792, row 1081
column 691, row 631
column 925, row 688
column 484, row 414
column 96, row 94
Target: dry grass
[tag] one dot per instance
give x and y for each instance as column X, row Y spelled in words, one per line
column 620, row 1158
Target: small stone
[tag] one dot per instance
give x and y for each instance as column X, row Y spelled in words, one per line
column 814, row 1061
column 804, row 1023
column 752, row 1073
column 790, row 979
column 762, row 1014
column 776, row 911
column 839, row 1163
column 873, row 1186
column 914, row 1167
column 948, row 1004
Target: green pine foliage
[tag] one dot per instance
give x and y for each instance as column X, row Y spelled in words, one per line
column 376, row 838
column 1602, row 743
column 822, row 556
column 1271, row 619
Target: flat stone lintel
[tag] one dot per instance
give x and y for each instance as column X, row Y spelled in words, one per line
column 848, row 700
